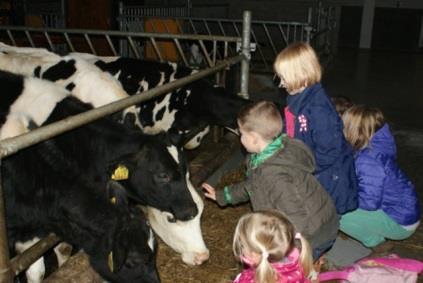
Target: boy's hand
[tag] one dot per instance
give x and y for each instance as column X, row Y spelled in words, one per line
column 210, row 192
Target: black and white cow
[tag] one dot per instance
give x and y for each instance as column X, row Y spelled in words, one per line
column 85, row 81
column 183, row 109
column 157, row 174
column 41, row 199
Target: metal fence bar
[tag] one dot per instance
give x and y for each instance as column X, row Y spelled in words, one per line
column 269, row 38
column 29, row 38
column 133, row 47
column 245, row 69
column 25, row 259
column 156, row 49
column 180, row 51
column 206, row 54
column 90, row 44
column 6, row 274
column 12, row 39
column 70, row 45
column 112, row 47
column 121, row 33
column 50, row 44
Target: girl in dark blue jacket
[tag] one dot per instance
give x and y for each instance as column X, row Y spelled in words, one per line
column 311, row 117
column 387, row 200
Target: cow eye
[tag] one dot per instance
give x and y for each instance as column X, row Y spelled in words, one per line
column 162, row 178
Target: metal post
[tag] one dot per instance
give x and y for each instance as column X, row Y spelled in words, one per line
column 120, row 23
column 245, row 67
column 6, row 275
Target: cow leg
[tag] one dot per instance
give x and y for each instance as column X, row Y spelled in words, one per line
column 63, row 252
column 34, row 273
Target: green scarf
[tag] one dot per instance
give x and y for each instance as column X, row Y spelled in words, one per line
column 258, row 158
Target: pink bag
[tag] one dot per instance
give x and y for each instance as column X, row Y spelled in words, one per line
column 389, row 269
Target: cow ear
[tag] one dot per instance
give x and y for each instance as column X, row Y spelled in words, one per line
column 174, row 137
column 117, row 194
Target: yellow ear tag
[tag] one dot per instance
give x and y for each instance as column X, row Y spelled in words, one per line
column 113, row 200
column 110, row 261
column 121, row 173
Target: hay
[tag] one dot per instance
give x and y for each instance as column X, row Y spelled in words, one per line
column 218, row 226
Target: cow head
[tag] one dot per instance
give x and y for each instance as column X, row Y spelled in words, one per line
column 156, row 176
column 185, row 237
column 129, row 253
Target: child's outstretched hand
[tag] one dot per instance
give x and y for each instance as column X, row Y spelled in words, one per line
column 210, row 192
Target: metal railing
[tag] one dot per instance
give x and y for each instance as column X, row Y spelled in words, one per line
column 93, row 40
column 10, row 268
column 267, row 37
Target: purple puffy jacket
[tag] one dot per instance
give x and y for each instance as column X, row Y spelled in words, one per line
column 382, row 184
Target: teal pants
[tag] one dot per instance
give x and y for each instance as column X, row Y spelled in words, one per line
column 372, row 227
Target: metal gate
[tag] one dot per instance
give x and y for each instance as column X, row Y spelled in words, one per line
column 267, row 37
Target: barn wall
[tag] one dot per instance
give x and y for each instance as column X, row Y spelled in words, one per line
column 277, row 9
column 93, row 14
column 355, row 28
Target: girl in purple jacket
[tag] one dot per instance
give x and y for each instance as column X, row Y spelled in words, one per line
column 387, row 200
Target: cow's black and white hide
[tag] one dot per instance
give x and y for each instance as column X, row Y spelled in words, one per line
column 41, row 199
column 157, row 172
column 85, row 81
column 185, row 108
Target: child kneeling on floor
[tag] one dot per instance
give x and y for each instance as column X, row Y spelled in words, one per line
column 388, row 204
column 280, row 176
column 268, row 244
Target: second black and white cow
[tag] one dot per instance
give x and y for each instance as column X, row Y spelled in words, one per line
column 183, row 109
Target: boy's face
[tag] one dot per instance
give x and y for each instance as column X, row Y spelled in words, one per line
column 249, row 140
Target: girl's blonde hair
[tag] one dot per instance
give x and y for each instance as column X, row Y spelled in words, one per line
column 298, row 66
column 269, row 233
column 360, row 124
column 261, row 117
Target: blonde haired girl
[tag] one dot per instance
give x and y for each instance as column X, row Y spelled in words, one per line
column 266, row 241
column 388, row 207
column 311, row 117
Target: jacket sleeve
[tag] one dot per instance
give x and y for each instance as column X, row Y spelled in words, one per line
column 327, row 137
column 371, row 178
column 234, row 194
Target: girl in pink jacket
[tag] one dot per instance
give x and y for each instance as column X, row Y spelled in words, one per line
column 272, row 252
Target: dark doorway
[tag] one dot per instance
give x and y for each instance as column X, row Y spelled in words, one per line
column 349, row 26
column 396, row 29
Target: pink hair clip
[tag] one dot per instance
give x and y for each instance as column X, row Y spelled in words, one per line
column 297, row 236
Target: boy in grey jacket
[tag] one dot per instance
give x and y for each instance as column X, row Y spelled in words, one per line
column 280, row 176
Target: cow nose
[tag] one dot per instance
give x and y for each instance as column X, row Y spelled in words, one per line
column 199, row 258
column 186, row 214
